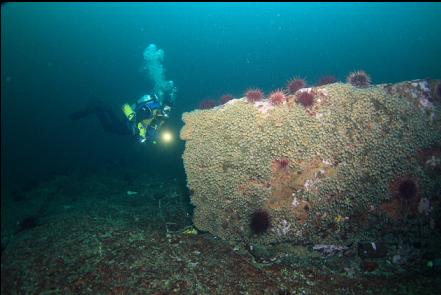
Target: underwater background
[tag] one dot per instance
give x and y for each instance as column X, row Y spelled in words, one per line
column 58, row 57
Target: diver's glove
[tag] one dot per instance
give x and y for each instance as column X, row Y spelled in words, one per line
column 166, row 111
column 140, row 139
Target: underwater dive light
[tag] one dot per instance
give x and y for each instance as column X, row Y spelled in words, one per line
column 166, row 136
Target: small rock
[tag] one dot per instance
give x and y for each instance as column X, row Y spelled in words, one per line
column 329, row 250
column 397, row 259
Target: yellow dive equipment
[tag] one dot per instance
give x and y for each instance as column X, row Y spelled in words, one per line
column 190, row 230
column 128, row 111
column 151, row 122
column 142, row 130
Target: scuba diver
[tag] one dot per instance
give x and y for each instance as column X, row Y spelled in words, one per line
column 144, row 119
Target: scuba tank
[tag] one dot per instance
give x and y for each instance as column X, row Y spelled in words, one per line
column 128, row 111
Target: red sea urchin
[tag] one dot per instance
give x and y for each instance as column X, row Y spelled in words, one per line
column 277, row 97
column 359, row 79
column 405, row 192
column 305, row 98
column 326, row 80
column 254, row 95
column 406, row 188
column 260, row 221
column 295, row 84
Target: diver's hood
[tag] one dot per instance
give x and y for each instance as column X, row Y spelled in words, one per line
column 144, row 98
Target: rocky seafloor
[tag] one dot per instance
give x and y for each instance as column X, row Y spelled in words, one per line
column 112, row 232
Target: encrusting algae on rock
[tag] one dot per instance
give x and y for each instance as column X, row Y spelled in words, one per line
column 352, row 164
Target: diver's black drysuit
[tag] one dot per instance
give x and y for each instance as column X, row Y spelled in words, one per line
column 109, row 120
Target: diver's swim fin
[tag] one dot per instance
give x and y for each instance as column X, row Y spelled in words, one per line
column 80, row 114
column 93, row 107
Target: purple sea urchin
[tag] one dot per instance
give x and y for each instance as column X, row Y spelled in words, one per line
column 359, row 79
column 326, row 80
column 260, row 221
column 295, row 84
column 305, row 98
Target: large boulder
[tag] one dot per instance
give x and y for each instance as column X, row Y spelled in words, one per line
column 359, row 164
